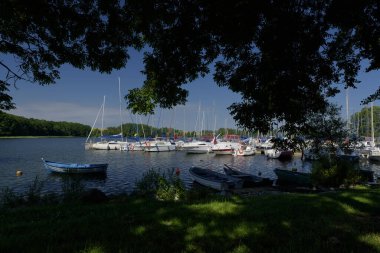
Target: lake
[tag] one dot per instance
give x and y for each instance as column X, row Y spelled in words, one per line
column 124, row 169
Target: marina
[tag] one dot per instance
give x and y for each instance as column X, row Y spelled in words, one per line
column 124, row 167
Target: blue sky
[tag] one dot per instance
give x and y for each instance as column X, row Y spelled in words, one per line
column 78, row 95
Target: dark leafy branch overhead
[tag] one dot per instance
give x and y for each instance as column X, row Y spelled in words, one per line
column 285, row 58
column 44, row 35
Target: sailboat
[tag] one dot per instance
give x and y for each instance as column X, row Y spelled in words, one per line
column 348, row 154
column 374, row 153
column 105, row 143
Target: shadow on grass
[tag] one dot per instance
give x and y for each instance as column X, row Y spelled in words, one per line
column 333, row 222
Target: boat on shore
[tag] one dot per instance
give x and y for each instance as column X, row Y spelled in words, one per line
column 291, row 177
column 249, row 179
column 75, row 168
column 214, row 180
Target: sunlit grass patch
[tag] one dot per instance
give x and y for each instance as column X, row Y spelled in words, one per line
column 372, row 239
column 241, row 249
column 93, row 249
column 139, row 230
column 241, row 230
column 173, row 223
column 196, row 231
column 216, row 208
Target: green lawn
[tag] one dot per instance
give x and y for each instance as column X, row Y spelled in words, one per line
column 347, row 221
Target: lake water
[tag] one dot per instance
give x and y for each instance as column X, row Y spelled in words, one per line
column 124, row 167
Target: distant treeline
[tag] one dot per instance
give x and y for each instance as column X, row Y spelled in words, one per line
column 12, row 125
column 141, row 130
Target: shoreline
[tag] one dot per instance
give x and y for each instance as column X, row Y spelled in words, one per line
column 38, row 137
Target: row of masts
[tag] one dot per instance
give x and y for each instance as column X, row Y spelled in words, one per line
column 357, row 126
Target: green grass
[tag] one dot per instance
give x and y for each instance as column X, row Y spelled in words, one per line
column 347, row 221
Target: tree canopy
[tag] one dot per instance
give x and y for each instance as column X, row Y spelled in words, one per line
column 285, row 58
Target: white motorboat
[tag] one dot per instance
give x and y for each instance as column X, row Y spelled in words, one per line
column 159, row 145
column 245, row 150
column 197, row 147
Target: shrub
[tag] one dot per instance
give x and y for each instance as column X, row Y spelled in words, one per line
column 72, row 189
column 163, row 186
column 8, row 198
column 33, row 195
column 333, row 173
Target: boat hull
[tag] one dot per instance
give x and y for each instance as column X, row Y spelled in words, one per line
column 214, row 179
column 293, row 177
column 158, row 148
column 73, row 168
column 249, row 179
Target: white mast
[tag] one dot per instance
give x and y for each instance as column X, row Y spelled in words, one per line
column 184, row 121
column 348, row 120
column 93, row 125
column 372, row 129
column 121, row 121
column 104, row 103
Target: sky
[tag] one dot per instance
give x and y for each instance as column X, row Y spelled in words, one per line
column 78, row 95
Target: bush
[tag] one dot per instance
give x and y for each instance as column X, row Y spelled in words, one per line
column 8, row 198
column 72, row 189
column 163, row 186
column 333, row 173
column 33, row 195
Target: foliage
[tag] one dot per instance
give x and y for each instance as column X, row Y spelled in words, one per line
column 9, row 199
column 164, row 186
column 72, row 188
column 12, row 125
column 334, row 173
column 327, row 127
column 45, row 35
column 283, row 57
column 34, row 192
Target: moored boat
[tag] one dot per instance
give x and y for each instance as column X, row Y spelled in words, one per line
column 226, row 146
column 159, row 145
column 347, row 155
column 197, row 147
column 245, row 150
column 249, row 179
column 215, row 180
column 75, row 168
column 291, row 177
column 279, row 154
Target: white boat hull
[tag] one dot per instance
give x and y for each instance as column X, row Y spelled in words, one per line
column 159, row 147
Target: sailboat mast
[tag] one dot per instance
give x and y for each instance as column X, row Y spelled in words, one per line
column 104, row 102
column 372, row 129
column 93, row 125
column 348, row 120
column 121, row 121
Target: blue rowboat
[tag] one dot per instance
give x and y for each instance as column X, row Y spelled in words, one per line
column 75, row 168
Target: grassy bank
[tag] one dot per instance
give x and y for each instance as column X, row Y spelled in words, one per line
column 346, row 221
